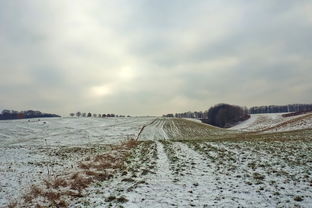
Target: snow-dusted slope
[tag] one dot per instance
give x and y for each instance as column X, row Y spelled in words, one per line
column 298, row 122
column 274, row 121
column 155, row 130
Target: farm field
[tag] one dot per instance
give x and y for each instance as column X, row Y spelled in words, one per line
column 174, row 163
column 32, row 150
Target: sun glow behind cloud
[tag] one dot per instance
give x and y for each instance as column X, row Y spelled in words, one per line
column 123, row 77
column 100, row 91
column 127, row 73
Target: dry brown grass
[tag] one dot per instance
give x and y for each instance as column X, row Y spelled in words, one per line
column 52, row 196
column 102, row 176
column 104, row 157
column 59, row 182
column 28, row 198
column 34, row 192
column 47, row 183
column 131, row 143
column 62, row 204
column 84, row 165
column 80, row 182
column 12, row 204
column 72, row 194
column 90, row 173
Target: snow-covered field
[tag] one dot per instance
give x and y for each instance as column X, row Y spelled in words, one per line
column 32, row 150
column 210, row 173
column 275, row 122
column 178, row 163
column 69, row 131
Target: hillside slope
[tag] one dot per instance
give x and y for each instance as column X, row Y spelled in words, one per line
column 274, row 122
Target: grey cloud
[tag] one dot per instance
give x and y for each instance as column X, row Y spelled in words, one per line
column 177, row 51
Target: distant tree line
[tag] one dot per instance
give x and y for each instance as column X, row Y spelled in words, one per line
column 294, row 114
column 252, row 110
column 281, row 108
column 226, row 115
column 12, row 114
column 221, row 115
column 95, row 115
column 196, row 115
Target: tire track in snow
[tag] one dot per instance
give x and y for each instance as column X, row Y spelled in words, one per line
column 159, row 190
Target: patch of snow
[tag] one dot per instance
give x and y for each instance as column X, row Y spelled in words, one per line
column 259, row 122
column 299, row 122
column 193, row 119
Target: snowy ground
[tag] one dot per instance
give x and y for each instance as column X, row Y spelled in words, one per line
column 275, row 122
column 69, row 131
column 179, row 163
column 298, row 122
column 32, row 150
column 209, row 173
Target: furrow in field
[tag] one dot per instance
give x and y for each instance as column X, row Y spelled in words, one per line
column 154, row 131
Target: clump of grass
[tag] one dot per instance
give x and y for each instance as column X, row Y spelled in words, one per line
column 122, row 199
column 258, row 176
column 131, row 143
column 12, row 204
column 80, row 182
column 128, row 180
column 102, row 176
column 34, row 192
column 110, row 198
column 62, row 203
column 298, row 198
column 84, row 165
column 59, row 182
column 52, row 196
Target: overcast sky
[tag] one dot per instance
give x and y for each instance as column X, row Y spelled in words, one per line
column 145, row 57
